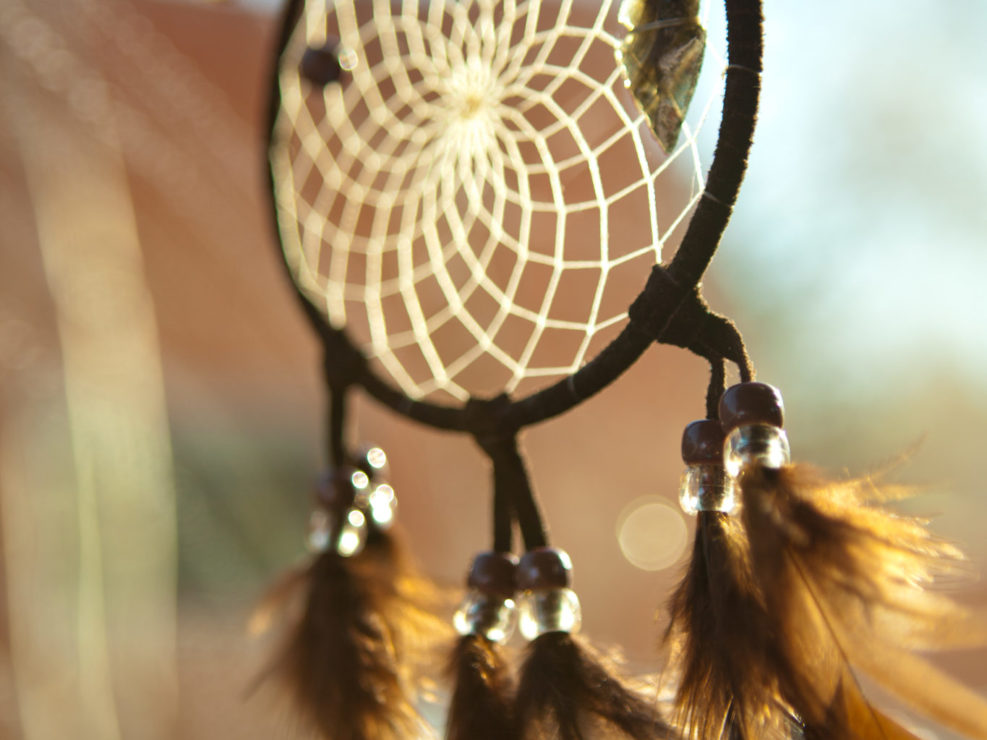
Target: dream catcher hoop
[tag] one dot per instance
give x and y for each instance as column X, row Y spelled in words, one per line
column 453, row 184
column 552, row 226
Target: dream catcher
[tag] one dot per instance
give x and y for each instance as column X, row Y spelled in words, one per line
column 469, row 196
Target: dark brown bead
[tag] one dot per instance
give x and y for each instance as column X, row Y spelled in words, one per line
column 702, row 442
column 544, row 567
column 334, row 490
column 751, row 403
column 320, row 64
column 494, row 573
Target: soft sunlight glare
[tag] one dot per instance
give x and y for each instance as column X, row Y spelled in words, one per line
column 651, row 533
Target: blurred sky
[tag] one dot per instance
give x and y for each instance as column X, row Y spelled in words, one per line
column 863, row 212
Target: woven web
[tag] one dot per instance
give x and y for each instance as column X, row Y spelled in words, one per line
column 479, row 200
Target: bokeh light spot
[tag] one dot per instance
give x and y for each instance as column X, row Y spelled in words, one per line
column 652, row 533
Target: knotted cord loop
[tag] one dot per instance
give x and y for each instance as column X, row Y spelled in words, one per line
column 701, row 331
column 692, row 326
column 343, row 364
column 487, row 421
column 652, row 310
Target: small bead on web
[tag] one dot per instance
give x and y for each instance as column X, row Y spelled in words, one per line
column 475, row 198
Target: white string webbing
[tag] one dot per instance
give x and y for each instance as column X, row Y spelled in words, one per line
column 479, row 200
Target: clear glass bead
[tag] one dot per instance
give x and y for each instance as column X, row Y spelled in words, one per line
column 319, row 525
column 706, row 487
column 360, row 480
column 488, row 615
column 352, row 533
column 550, row 610
column 376, row 458
column 348, row 59
column 755, row 444
column 382, row 505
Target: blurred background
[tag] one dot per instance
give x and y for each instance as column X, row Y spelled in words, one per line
column 160, row 403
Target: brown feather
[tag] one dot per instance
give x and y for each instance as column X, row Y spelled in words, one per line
column 347, row 660
column 482, row 701
column 844, row 583
column 720, row 642
column 409, row 600
column 340, row 663
column 851, row 710
column 284, row 591
column 567, row 692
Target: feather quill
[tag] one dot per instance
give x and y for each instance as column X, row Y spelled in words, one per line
column 851, row 710
column 844, row 587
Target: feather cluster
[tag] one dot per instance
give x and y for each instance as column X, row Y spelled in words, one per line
column 482, row 706
column 788, row 604
column 568, row 692
column 359, row 625
column 720, row 641
column 844, row 582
